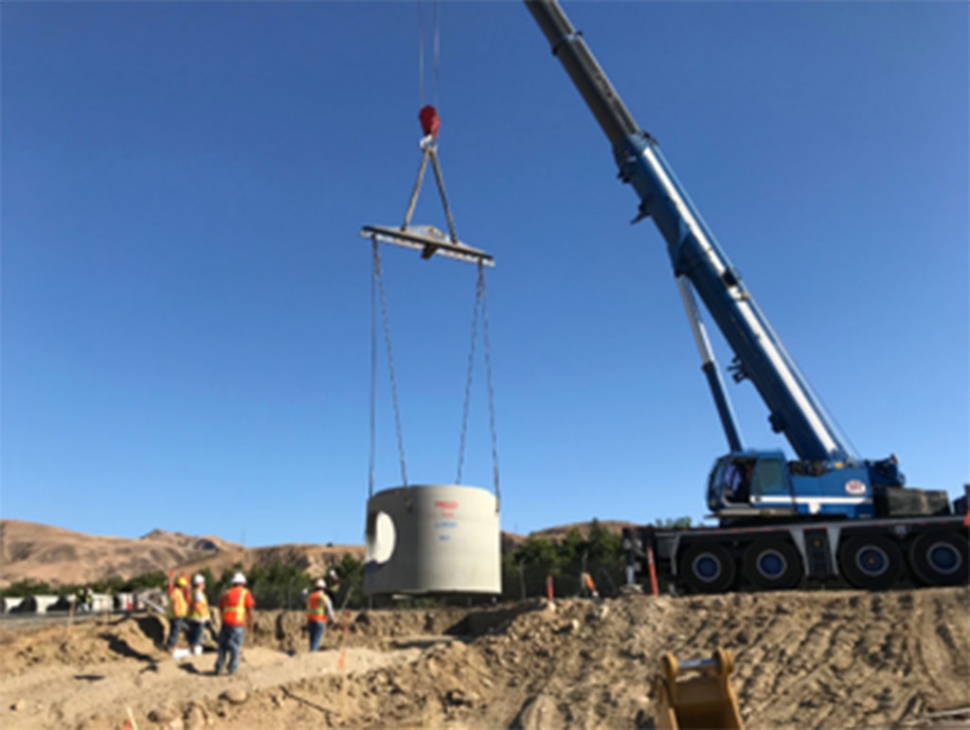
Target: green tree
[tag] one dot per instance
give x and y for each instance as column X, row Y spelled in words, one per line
column 604, row 546
column 573, row 546
column 679, row 523
column 537, row 551
column 155, row 579
column 350, row 570
column 27, row 587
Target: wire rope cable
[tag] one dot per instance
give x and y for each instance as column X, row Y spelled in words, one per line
column 480, row 309
column 420, row 54
column 468, row 380
column 382, row 296
column 486, row 341
column 373, row 372
column 436, row 51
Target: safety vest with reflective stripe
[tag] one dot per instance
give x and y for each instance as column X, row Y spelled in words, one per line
column 234, row 612
column 316, row 607
column 199, row 609
column 177, row 607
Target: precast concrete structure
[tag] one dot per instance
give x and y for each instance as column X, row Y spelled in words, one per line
column 433, row 539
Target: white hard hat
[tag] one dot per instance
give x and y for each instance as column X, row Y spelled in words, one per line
column 198, row 579
column 332, row 573
column 239, row 578
column 321, row 583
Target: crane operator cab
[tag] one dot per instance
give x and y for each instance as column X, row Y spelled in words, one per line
column 749, row 484
column 763, row 484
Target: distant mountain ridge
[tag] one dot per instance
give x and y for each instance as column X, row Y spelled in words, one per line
column 29, row 550
column 57, row 556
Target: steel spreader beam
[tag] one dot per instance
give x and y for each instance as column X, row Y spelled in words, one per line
column 430, row 241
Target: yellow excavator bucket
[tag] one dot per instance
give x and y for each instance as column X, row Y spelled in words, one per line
column 703, row 698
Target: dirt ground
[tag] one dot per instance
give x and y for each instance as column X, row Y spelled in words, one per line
column 803, row 660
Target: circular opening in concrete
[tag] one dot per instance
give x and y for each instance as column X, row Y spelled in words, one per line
column 381, row 537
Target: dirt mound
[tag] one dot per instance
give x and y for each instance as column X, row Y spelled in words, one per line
column 81, row 644
column 804, row 659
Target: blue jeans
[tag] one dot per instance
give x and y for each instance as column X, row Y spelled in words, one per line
column 230, row 640
column 194, row 633
column 316, row 629
column 174, row 629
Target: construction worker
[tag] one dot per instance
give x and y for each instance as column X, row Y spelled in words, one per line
column 588, row 587
column 236, row 606
column 198, row 613
column 178, row 608
column 84, row 600
column 318, row 609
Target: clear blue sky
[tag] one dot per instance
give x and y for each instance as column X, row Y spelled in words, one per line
column 186, row 301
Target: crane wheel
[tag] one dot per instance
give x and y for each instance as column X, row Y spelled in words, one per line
column 871, row 562
column 773, row 565
column 707, row 567
column 940, row 557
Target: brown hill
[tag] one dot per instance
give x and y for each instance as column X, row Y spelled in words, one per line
column 57, row 556
column 313, row 559
column 511, row 540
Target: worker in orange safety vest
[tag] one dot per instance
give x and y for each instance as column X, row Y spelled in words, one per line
column 178, row 608
column 236, row 606
column 588, row 587
column 198, row 613
column 319, row 608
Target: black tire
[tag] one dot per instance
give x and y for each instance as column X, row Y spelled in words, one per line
column 773, row 565
column 871, row 562
column 940, row 557
column 706, row 567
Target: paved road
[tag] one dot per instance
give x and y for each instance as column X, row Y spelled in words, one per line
column 25, row 621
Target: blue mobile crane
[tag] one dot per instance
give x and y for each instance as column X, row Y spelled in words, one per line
column 824, row 515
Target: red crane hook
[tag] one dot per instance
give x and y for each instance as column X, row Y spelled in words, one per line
column 430, row 121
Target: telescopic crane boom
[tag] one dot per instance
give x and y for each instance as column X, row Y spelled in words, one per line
column 827, row 477
column 694, row 252
column 827, row 514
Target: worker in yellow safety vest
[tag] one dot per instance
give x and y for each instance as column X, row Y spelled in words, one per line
column 319, row 608
column 178, row 608
column 236, row 606
column 198, row 613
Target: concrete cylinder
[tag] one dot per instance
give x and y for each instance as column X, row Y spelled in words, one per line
column 433, row 539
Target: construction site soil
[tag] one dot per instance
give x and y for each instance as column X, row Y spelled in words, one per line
column 803, row 660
